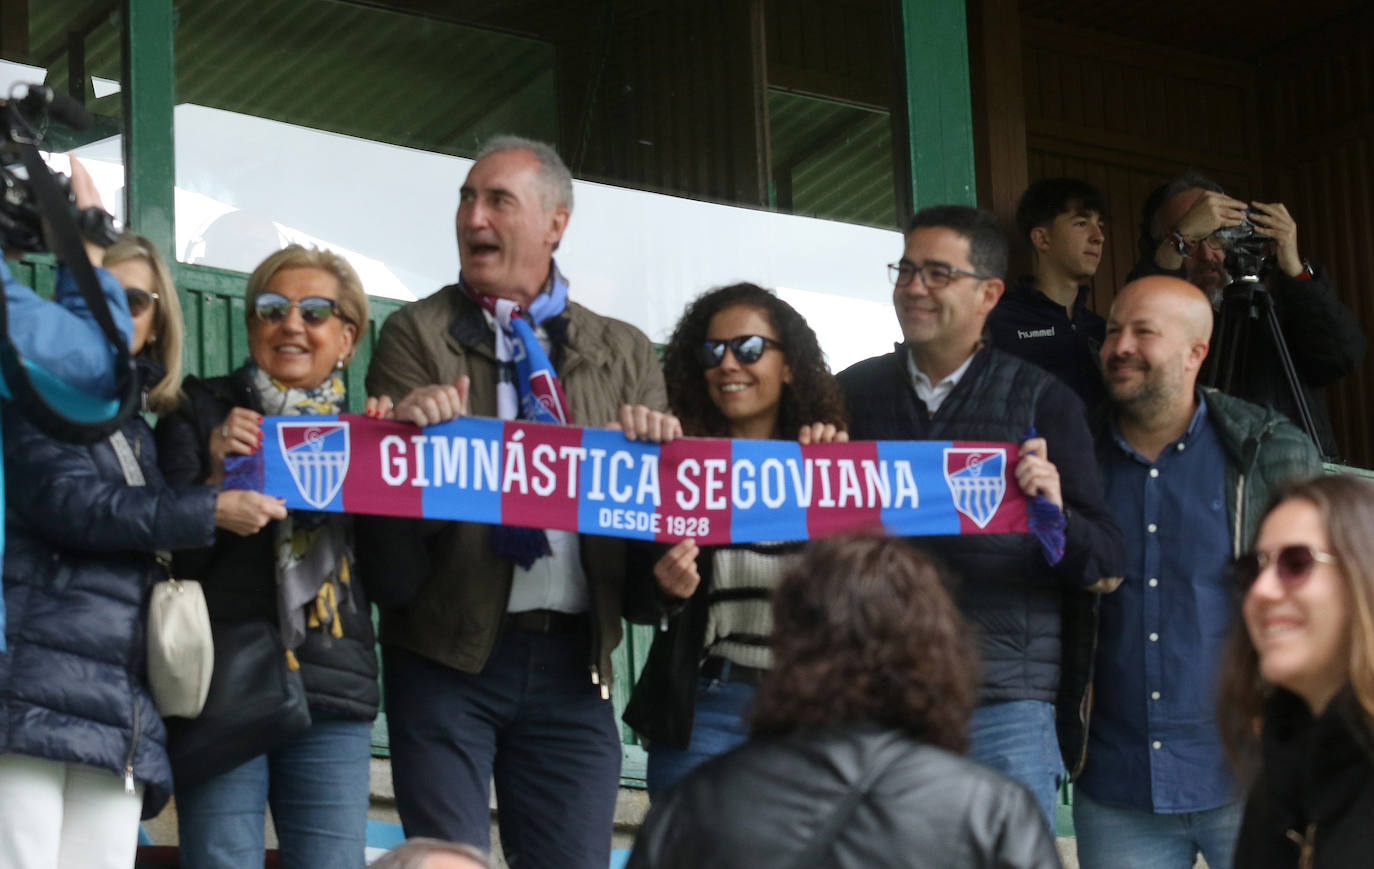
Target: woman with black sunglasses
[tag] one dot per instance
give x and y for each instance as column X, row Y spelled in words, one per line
column 305, row 310
column 1298, row 685
column 741, row 363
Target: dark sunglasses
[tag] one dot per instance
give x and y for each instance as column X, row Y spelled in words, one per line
column 139, row 300
column 1292, row 563
column 747, row 350
column 274, row 308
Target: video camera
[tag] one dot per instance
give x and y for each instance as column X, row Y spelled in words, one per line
column 1247, row 306
column 25, row 121
column 38, row 212
column 1247, row 252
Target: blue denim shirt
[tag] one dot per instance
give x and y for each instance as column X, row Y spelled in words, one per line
column 1154, row 745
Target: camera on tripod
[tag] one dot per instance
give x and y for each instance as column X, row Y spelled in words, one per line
column 1247, row 251
column 1246, row 309
column 25, row 121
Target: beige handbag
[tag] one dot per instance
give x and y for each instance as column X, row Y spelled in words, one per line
column 181, row 650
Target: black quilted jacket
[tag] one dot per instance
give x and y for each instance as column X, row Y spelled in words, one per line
column 78, row 566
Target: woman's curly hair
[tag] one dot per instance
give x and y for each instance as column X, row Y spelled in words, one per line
column 864, row 631
column 812, row 396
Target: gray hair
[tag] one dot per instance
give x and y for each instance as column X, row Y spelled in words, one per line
column 412, row 853
column 554, row 176
column 1190, row 180
column 1150, row 231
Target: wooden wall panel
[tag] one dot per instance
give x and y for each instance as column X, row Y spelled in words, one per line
column 1296, row 126
column 997, row 83
column 1126, row 116
column 1318, row 95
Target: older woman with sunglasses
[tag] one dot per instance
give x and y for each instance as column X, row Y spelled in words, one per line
column 1298, row 687
column 82, row 750
column 305, row 311
column 742, row 363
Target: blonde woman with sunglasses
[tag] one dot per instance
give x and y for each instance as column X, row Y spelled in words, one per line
column 1298, row 688
column 304, row 312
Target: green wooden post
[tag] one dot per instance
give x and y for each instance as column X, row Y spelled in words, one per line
column 938, row 103
column 149, row 89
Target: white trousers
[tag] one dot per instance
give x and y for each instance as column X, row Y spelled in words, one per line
column 65, row 816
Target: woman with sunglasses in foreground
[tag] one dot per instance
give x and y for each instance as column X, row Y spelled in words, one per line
column 82, row 749
column 742, row 363
column 1298, row 684
column 305, row 309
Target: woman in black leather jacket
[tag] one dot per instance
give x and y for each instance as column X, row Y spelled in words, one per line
column 854, row 757
column 1303, row 668
column 82, row 749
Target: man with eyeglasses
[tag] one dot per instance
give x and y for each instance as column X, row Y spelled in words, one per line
column 945, row 383
column 1179, row 237
column 1188, row 474
column 500, row 668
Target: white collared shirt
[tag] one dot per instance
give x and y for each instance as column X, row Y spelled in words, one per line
column 935, row 395
column 554, row 582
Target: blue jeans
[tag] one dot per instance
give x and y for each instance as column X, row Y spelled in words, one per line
column 1017, row 739
column 533, row 721
column 1133, row 839
column 317, row 786
column 717, row 726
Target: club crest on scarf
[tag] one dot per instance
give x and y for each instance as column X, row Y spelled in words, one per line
column 976, row 481
column 317, row 455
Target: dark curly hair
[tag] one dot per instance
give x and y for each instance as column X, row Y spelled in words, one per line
column 812, row 396
column 864, row 631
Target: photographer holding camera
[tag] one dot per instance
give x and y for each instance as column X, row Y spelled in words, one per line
column 1187, row 226
column 61, row 336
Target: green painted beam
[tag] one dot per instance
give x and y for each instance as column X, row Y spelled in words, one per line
column 938, row 103
column 149, row 89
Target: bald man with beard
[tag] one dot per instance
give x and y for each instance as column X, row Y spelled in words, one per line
column 1188, row 472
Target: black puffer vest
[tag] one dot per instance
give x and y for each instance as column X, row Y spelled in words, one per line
column 1001, row 581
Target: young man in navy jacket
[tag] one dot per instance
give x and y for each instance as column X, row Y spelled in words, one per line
column 1044, row 317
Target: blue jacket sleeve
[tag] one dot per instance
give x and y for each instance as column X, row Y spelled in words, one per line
column 61, row 337
column 58, row 492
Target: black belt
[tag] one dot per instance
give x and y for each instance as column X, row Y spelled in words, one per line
column 726, row 670
column 548, row 622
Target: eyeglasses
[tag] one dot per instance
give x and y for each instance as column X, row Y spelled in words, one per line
column 139, row 300
column 274, row 308
column 1292, row 563
column 747, row 350
column 1211, row 242
column 933, row 275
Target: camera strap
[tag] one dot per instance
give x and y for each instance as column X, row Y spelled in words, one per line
column 66, row 243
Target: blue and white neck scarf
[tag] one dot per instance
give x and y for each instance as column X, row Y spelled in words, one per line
column 531, row 392
column 536, row 394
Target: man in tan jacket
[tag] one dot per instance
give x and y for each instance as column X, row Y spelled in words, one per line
column 500, row 664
